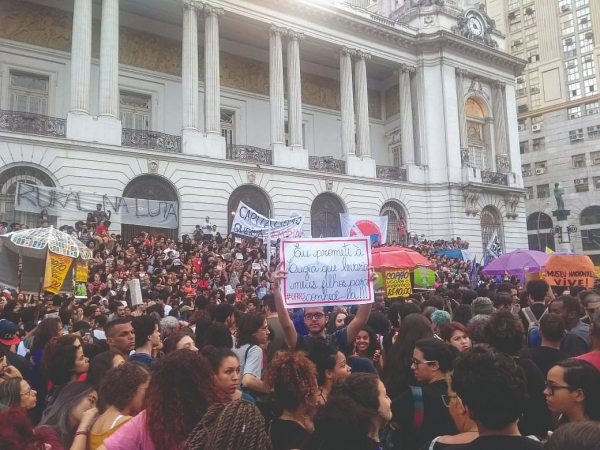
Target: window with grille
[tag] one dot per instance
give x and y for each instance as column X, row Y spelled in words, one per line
column 576, row 135
column 569, row 46
column 594, row 132
column 574, row 112
column 228, row 126
column 535, row 100
column 583, row 18
column 572, row 70
column 566, row 24
column 592, row 108
column 526, row 170
column 529, row 15
column 539, row 144
column 574, row 90
column 588, row 66
column 578, row 161
column 595, row 158
column 586, row 42
column 580, row 3
column 543, row 190
column 581, row 185
column 29, row 93
column 537, row 119
column 531, row 38
column 524, row 147
column 590, row 86
column 528, row 193
column 135, row 110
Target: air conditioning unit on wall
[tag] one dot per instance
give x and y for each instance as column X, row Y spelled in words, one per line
column 540, row 171
column 537, row 127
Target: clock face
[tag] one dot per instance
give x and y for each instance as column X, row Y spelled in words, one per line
column 475, row 25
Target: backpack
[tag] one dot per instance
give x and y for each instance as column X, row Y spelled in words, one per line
column 534, row 339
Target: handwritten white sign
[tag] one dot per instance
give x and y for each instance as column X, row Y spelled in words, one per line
column 325, row 272
column 136, row 292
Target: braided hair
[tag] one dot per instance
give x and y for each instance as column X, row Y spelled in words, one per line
column 235, row 426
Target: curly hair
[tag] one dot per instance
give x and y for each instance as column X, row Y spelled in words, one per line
column 120, row 384
column 181, row 390
column 491, row 385
column 238, row 425
column 293, row 377
column 373, row 343
column 60, row 355
column 504, row 332
column 16, row 432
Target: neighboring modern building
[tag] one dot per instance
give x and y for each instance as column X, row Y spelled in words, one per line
column 313, row 107
column 559, row 113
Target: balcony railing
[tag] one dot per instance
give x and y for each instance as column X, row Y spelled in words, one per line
column 488, row 177
column 29, row 123
column 151, row 140
column 391, row 173
column 247, row 153
column 326, row 164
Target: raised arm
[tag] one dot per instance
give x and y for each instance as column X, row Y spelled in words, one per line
column 289, row 331
column 362, row 315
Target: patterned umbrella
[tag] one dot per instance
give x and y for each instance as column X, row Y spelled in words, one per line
column 34, row 242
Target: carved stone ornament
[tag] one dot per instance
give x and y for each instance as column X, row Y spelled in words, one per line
column 465, row 158
column 251, row 177
column 428, row 21
column 476, row 88
column 152, row 166
column 511, row 201
column 476, row 25
column 503, row 163
column 471, row 201
column 419, row 3
column 329, row 185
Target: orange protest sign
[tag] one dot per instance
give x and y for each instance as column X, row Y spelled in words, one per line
column 570, row 270
column 57, row 267
column 81, row 272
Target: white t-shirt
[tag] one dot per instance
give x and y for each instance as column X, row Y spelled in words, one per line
column 207, row 228
column 253, row 365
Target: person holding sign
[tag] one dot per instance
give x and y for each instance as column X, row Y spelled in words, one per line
column 315, row 319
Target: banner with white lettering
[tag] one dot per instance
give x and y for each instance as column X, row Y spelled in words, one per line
column 74, row 205
column 326, row 271
column 248, row 222
column 354, row 225
column 494, row 247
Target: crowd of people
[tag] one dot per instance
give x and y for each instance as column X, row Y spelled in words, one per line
column 211, row 358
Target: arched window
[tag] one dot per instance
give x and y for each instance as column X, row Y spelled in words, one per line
column 539, row 232
column 476, row 128
column 394, row 213
column 589, row 222
column 491, row 223
column 253, row 197
column 149, row 187
column 325, row 216
column 8, row 185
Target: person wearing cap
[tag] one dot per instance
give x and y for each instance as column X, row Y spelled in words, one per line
column 482, row 305
column 9, row 340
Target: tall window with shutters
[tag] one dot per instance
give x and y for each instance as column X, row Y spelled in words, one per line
column 135, row 110
column 29, row 93
column 228, row 126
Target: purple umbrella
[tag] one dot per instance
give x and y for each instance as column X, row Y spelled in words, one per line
column 515, row 263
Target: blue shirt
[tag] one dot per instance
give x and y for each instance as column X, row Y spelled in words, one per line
column 143, row 358
column 337, row 340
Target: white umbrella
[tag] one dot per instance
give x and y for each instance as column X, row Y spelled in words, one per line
column 35, row 242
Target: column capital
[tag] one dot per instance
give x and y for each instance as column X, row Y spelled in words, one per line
column 403, row 68
column 192, row 5
column 461, row 72
column 212, row 10
column 499, row 84
column 294, row 35
column 347, row 51
column 363, row 55
column 275, row 30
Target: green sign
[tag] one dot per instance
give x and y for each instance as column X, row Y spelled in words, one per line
column 424, row 278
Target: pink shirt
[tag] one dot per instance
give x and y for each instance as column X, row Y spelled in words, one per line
column 133, row 436
column 591, row 357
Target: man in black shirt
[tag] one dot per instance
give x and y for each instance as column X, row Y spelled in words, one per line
column 537, row 291
column 493, row 391
column 552, row 330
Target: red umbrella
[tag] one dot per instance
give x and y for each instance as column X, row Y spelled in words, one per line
column 398, row 258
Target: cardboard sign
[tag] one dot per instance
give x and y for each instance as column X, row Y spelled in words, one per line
column 229, row 290
column 397, row 283
column 238, row 240
column 255, row 266
column 81, row 272
column 570, row 270
column 239, row 256
column 328, row 271
column 136, row 292
column 57, row 267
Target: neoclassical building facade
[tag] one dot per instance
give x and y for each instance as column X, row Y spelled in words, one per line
column 286, row 105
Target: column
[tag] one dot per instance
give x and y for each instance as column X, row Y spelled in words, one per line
column 189, row 65
column 462, row 117
column 109, row 60
column 276, row 85
column 362, row 104
column 212, row 83
column 347, row 101
column 498, row 106
column 406, row 115
column 294, row 89
column 81, row 57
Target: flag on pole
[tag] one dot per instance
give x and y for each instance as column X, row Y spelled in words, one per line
column 549, row 250
column 473, row 279
column 494, row 247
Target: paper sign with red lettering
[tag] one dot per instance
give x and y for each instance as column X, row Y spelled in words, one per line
column 570, row 270
column 326, row 272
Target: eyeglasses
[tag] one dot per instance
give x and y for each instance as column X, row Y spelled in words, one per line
column 446, row 399
column 552, row 387
column 28, row 391
column 317, row 316
column 416, row 362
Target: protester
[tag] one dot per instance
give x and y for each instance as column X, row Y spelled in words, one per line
column 67, row 422
column 331, row 366
column 457, row 335
column 16, row 392
column 122, row 392
column 251, row 338
column 9, row 338
column 100, row 365
column 17, row 433
column 147, row 338
column 226, row 371
column 576, row 435
column 293, row 378
column 366, row 346
column 183, row 340
column 594, row 330
column 577, row 341
column 552, row 331
column 573, row 389
column 120, row 336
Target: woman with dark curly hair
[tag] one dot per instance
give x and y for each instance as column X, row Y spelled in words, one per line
column 504, row 332
column 226, row 371
column 63, row 362
column 352, row 416
column 181, row 390
column 293, row 378
column 122, row 391
column 573, row 390
column 366, row 345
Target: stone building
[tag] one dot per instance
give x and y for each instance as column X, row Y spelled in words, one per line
column 312, row 107
column 559, row 115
